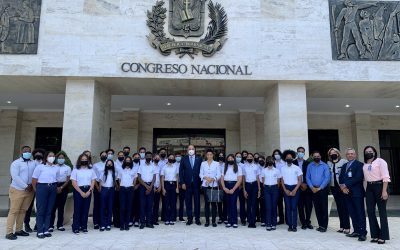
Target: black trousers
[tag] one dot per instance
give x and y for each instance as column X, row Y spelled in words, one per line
column 320, row 200
column 59, row 206
column 373, row 199
column 305, row 206
column 28, row 213
column 207, row 208
column 181, row 203
column 344, row 217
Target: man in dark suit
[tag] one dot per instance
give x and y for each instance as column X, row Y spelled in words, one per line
column 189, row 171
column 305, row 205
column 351, row 183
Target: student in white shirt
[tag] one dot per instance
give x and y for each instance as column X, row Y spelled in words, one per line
column 221, row 206
column 83, row 178
column 242, row 200
column 44, row 182
column 291, row 181
column 209, row 175
column 270, row 178
column 231, row 181
column 98, row 168
column 251, row 188
column 127, row 178
column 147, row 178
column 135, row 215
column 107, row 184
column 62, row 193
column 170, row 188
column 260, row 207
column 116, row 210
column 178, row 158
column 157, row 188
column 279, row 163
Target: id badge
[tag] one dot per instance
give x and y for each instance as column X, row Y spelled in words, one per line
column 350, row 174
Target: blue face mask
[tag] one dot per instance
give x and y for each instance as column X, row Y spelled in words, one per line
column 142, row 155
column 300, row 155
column 238, row 159
column 178, row 159
column 110, row 157
column 61, row 161
column 27, row 155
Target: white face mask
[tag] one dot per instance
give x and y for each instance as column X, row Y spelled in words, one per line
column 277, row 157
column 51, row 159
column 191, row 152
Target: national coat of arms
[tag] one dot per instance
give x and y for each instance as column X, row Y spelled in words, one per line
column 186, row 18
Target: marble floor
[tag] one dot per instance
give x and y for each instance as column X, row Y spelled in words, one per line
column 181, row 236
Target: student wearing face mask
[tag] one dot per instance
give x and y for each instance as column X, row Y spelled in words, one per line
column 110, row 154
column 279, row 163
column 181, row 195
column 38, row 155
column 260, row 207
column 335, row 163
column 83, row 179
column 291, row 181
column 170, row 188
column 157, row 189
column 231, row 180
column 318, row 179
column 44, row 182
column 147, row 177
column 221, row 206
column 127, row 177
column 376, row 173
column 163, row 160
column 116, row 209
column 135, row 215
column 126, row 150
column 89, row 155
column 251, row 188
column 270, row 179
column 142, row 154
column 98, row 168
column 242, row 200
column 107, row 182
column 62, row 193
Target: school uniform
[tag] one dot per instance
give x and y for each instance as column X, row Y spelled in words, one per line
column 260, row 206
column 116, row 211
column 289, row 176
column 83, row 178
column 61, row 198
column 126, row 179
column 221, row 206
column 212, row 171
column 271, row 177
column 305, row 204
column 157, row 196
column 135, row 214
column 170, row 173
column 107, row 184
column 147, row 173
column 46, row 191
column 376, row 174
column 230, row 180
column 98, row 169
column 251, row 171
column 161, row 165
column 242, row 201
column 279, row 164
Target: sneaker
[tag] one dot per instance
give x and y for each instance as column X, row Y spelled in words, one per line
column 76, row 232
column 84, row 231
column 28, row 228
column 263, row 224
column 220, row 221
column 102, row 229
column 51, row 229
column 21, row 233
column 47, row 234
column 62, row 229
column 181, row 219
column 108, row 228
column 41, row 236
column 149, row 225
column 273, row 228
column 172, row 223
column 96, row 226
column 228, row 225
column 142, row 226
column 130, row 224
column 269, row 228
column 136, row 224
column 226, row 222
column 11, row 236
column 235, row 226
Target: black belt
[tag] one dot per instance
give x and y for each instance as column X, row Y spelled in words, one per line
column 231, row 182
column 171, row 182
column 271, row 185
column 374, row 182
column 48, row 184
column 148, row 183
column 86, row 186
column 251, row 183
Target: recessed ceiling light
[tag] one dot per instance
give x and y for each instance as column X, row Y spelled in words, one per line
column 169, row 104
column 8, row 102
column 219, row 104
column 347, row 106
column 397, row 106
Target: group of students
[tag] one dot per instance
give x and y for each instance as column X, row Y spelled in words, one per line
column 128, row 190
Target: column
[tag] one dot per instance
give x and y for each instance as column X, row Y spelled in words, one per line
column 86, row 118
column 285, row 119
column 125, row 130
column 10, row 132
column 248, row 139
column 362, row 135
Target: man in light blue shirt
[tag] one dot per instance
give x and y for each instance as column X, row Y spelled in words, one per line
column 318, row 178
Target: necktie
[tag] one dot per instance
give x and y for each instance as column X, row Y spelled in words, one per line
column 191, row 161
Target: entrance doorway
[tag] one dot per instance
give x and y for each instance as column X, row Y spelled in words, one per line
column 389, row 143
column 177, row 140
column 322, row 140
column 49, row 139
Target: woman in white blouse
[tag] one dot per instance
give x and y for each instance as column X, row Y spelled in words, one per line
column 170, row 188
column 108, row 182
column 209, row 175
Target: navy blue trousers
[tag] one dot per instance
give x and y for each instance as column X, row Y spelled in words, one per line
column 156, row 207
column 81, row 209
column 252, row 191
column 242, row 205
column 45, row 199
column 116, row 212
column 291, row 206
column 96, row 207
column 59, row 206
column 125, row 205
column 170, row 200
column 231, row 203
column 146, row 206
column 107, row 201
column 356, row 208
column 135, row 215
column 192, row 193
column 181, row 203
column 271, row 194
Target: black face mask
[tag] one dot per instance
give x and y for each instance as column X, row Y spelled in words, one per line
column 136, row 160
column 128, row 164
column 289, row 161
column 262, row 163
column 103, row 158
column 121, row 158
column 38, row 157
column 171, row 160
column 156, row 161
column 269, row 163
column 231, row 162
column 334, row 157
column 221, row 158
column 369, row 156
column 163, row 155
column 249, row 160
column 256, row 160
column 126, row 154
column 148, row 160
column 317, row 159
column 109, row 167
column 84, row 163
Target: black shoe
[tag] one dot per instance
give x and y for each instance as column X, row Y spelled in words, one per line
column 127, row 228
column 84, row 230
column 214, row 224
column 322, row 230
column 243, row 223
column 102, row 229
column 21, row 233
column 76, row 232
column 362, row 238
column 289, row 229
column 353, row 235
column 41, row 236
column 374, row 241
column 62, row 229
column 11, row 236
column 220, row 221
column 141, row 226
column 149, row 225
column 207, row 224
column 181, row 219
column 96, row 227
column 48, row 235
column 304, row 227
column 156, row 223
column 381, row 242
column 280, row 222
column 28, row 228
column 198, row 223
column 108, row 228
column 294, row 229
column 189, row 222
column 122, row 228
column 251, row 226
column 309, row 226
column 35, row 228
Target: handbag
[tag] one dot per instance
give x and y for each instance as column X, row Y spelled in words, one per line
column 215, row 195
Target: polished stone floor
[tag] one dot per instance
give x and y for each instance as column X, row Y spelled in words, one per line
column 181, row 236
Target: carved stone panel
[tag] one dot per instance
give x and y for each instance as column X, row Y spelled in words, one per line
column 365, row 30
column 19, row 26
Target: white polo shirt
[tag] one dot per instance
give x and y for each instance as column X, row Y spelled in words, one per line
column 211, row 171
column 290, row 174
column 65, row 171
column 251, row 171
column 109, row 182
column 46, row 173
column 230, row 175
column 83, row 176
column 147, row 171
column 21, row 173
column 271, row 176
column 170, row 171
column 99, row 168
column 157, row 169
column 126, row 177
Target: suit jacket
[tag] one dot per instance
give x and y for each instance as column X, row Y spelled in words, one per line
column 355, row 183
column 304, row 169
column 187, row 175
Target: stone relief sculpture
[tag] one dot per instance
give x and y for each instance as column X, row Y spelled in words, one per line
column 19, row 26
column 365, row 30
